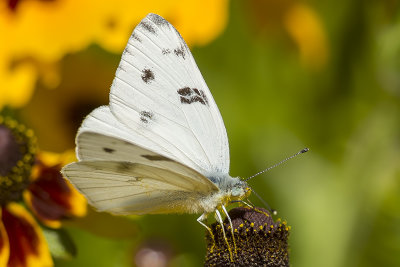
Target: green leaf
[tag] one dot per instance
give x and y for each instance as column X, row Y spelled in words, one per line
column 60, row 243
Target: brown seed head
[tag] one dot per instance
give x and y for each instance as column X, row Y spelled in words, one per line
column 17, row 155
column 259, row 240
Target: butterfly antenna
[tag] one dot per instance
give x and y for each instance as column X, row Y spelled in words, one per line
column 277, row 164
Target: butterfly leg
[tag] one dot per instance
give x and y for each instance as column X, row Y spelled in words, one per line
column 250, row 205
column 230, row 222
column 201, row 220
column 218, row 217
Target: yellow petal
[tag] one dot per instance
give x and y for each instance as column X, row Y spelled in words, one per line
column 4, row 244
column 50, row 158
column 305, row 27
column 16, row 84
column 28, row 246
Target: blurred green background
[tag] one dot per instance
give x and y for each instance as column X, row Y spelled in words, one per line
column 285, row 75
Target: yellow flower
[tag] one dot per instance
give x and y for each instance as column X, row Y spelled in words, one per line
column 36, row 176
column 300, row 21
column 50, row 197
column 305, row 27
column 39, row 34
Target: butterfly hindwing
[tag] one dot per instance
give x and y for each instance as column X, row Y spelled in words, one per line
column 122, row 187
column 160, row 95
column 99, row 147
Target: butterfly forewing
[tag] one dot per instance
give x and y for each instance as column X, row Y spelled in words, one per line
column 160, row 96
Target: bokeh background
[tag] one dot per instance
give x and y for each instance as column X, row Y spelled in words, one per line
column 286, row 74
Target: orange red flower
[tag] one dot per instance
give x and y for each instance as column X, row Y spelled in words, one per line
column 39, row 182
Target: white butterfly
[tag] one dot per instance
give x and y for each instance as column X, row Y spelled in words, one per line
column 161, row 144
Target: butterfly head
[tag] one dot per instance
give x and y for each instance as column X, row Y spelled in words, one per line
column 232, row 188
column 240, row 190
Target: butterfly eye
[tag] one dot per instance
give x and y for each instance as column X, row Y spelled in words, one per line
column 238, row 190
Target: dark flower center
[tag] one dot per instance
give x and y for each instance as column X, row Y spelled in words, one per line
column 17, row 151
column 260, row 241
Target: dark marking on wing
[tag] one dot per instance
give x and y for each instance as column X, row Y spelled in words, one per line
column 147, row 75
column 108, row 150
column 147, row 26
column 156, row 158
column 166, row 51
column 189, row 96
column 197, row 91
column 180, row 51
column 185, row 100
column 158, row 20
column 134, row 180
column 185, row 91
column 146, row 116
column 128, row 50
column 124, row 166
column 136, row 37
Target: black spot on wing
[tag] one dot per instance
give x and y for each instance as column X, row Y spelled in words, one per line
column 197, row 91
column 108, row 150
column 156, row 158
column 128, row 50
column 180, row 51
column 158, row 20
column 136, row 37
column 197, row 99
column 184, row 100
column 166, row 51
column 124, row 166
column 189, row 96
column 147, row 26
column 185, row 91
column 147, row 75
column 146, row 116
